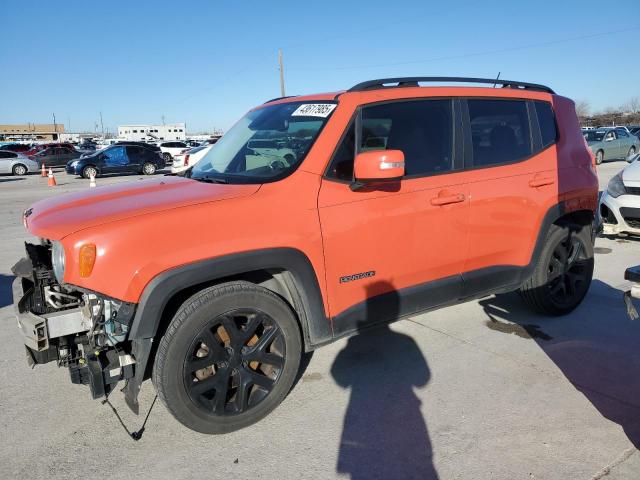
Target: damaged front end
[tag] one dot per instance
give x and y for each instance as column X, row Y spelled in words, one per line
column 76, row 328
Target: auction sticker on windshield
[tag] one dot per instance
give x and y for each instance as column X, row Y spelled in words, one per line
column 314, row 110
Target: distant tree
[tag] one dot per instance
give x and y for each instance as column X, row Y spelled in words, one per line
column 632, row 106
column 583, row 108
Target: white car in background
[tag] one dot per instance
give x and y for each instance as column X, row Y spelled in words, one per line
column 620, row 203
column 171, row 149
column 17, row 163
column 187, row 159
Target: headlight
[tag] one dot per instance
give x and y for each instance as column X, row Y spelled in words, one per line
column 616, row 187
column 58, row 260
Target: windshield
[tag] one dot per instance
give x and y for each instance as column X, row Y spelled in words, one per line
column 265, row 145
column 594, row 136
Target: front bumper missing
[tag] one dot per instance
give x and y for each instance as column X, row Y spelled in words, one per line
column 38, row 330
column 66, row 337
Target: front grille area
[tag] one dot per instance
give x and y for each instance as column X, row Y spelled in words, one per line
column 633, row 222
column 631, row 216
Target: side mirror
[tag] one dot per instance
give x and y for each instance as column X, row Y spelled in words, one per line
column 378, row 166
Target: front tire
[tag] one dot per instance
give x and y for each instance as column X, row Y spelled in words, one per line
column 632, row 152
column 167, row 157
column 228, row 358
column 19, row 169
column 88, row 172
column 563, row 273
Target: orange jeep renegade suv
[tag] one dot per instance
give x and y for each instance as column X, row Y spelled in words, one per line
column 390, row 192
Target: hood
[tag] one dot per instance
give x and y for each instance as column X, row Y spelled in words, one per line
column 631, row 174
column 57, row 217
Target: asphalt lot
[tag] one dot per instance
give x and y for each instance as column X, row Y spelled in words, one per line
column 484, row 390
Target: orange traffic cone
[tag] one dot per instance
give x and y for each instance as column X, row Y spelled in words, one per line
column 43, row 172
column 52, row 179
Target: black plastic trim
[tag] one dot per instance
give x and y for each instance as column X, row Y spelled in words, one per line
column 314, row 323
column 414, row 82
column 397, row 304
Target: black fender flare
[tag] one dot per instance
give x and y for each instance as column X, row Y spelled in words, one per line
column 316, row 327
column 307, row 297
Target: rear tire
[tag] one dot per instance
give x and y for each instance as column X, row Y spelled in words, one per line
column 228, row 358
column 599, row 157
column 149, row 169
column 563, row 273
column 632, row 152
column 19, row 169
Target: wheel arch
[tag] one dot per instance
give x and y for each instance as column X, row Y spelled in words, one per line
column 285, row 271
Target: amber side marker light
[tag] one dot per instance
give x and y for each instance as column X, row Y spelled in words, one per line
column 87, row 259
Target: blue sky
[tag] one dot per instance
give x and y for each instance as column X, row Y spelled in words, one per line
column 207, row 62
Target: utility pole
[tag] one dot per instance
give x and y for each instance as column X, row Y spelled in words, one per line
column 280, row 62
column 69, row 123
column 101, row 125
column 55, row 125
column 162, row 119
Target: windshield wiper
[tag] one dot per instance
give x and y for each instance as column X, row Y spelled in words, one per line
column 210, row 179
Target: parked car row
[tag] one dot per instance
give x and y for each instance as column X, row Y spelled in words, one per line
column 120, row 157
column 612, row 143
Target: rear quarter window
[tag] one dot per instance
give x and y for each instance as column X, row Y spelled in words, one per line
column 547, row 123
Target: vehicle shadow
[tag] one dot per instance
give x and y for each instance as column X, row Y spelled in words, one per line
column 11, row 179
column 597, row 348
column 384, row 434
column 6, row 294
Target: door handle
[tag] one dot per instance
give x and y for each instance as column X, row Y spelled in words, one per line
column 447, row 199
column 541, row 182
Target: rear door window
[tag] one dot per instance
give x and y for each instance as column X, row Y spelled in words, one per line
column 499, row 130
column 116, row 156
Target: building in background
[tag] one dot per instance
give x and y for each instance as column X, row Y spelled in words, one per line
column 31, row 131
column 168, row 131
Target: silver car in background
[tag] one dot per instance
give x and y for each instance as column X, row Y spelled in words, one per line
column 17, row 163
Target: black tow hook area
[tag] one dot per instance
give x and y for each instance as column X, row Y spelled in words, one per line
column 101, row 371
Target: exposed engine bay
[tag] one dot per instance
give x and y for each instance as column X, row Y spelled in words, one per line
column 76, row 328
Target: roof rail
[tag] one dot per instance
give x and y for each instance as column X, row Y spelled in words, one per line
column 414, row 82
column 279, row 98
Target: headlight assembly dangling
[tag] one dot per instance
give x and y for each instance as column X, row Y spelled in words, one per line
column 616, row 186
column 58, row 260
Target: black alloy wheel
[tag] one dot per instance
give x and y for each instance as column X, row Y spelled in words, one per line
column 569, row 271
column 234, row 362
column 563, row 271
column 229, row 356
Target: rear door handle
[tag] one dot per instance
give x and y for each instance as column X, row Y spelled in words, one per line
column 541, row 182
column 447, row 199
